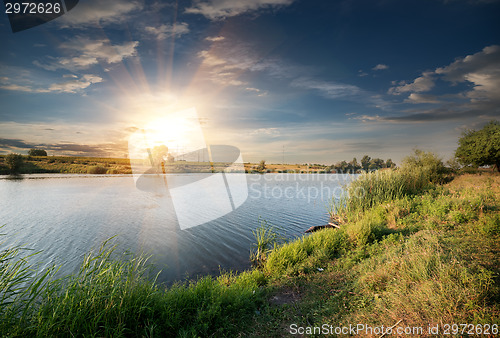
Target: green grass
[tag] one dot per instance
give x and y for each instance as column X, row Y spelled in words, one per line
column 118, row 297
column 413, row 253
column 421, row 258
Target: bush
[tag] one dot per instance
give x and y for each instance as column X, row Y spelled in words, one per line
column 428, row 165
column 97, row 170
column 14, row 163
column 37, row 152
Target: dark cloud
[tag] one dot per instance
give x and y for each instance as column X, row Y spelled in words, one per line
column 67, row 148
column 486, row 110
column 15, row 143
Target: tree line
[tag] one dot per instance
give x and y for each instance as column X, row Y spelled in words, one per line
column 367, row 164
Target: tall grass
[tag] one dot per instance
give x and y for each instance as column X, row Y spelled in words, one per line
column 116, row 297
column 418, row 172
column 267, row 236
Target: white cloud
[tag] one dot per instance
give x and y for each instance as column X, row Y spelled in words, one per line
column 221, row 9
column 164, row 31
column 422, row 98
column 481, row 69
column 89, row 52
column 75, row 85
column 70, row 86
column 331, row 90
column 423, row 83
column 273, row 132
column 257, row 91
column 98, row 12
column 380, row 67
column 215, row 38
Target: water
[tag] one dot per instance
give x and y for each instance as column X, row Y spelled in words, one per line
column 65, row 216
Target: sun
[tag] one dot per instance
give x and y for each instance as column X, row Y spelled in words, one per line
column 179, row 131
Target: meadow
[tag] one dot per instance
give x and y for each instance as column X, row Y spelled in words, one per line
column 417, row 247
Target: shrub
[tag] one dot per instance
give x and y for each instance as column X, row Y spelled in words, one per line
column 426, row 164
column 14, row 163
column 97, row 170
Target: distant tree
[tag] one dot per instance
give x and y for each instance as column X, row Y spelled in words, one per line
column 37, row 152
column 480, row 147
column 377, row 163
column 342, row 166
column 390, row 164
column 354, row 164
column 14, row 163
column 365, row 162
column 262, row 166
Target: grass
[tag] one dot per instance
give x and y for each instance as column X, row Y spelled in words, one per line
column 412, row 254
column 70, row 165
column 420, row 259
column 118, row 297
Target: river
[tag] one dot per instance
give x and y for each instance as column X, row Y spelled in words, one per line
column 65, row 216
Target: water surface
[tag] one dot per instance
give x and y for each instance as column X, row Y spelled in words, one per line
column 65, row 216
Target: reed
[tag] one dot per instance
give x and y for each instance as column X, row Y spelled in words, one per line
column 117, row 297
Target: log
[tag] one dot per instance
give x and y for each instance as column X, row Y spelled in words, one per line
column 319, row 227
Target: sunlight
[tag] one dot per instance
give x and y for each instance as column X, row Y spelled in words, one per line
column 179, row 131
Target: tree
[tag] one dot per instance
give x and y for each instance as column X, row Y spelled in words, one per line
column 390, row 164
column 377, row 163
column 365, row 162
column 14, row 163
column 480, row 147
column 37, row 152
column 262, row 166
column 354, row 165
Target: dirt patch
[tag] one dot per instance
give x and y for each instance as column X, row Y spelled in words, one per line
column 285, row 296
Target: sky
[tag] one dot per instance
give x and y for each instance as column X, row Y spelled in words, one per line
column 304, row 81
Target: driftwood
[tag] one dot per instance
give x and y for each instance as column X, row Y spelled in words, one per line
column 319, row 227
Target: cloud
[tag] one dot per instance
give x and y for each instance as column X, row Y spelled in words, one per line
column 422, row 98
column 72, row 86
column 227, row 62
column 164, row 31
column 380, row 67
column 89, row 52
column 257, row 91
column 423, row 83
column 75, row 85
column 215, row 38
column 331, row 90
column 15, row 143
column 98, row 12
column 273, row 132
column 481, row 69
column 221, row 9
column 480, row 72
column 66, row 148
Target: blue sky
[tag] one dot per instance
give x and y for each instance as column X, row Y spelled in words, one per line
column 327, row 80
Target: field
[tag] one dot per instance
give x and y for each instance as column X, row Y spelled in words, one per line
column 101, row 165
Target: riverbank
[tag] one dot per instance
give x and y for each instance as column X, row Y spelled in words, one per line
column 408, row 253
column 102, row 165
